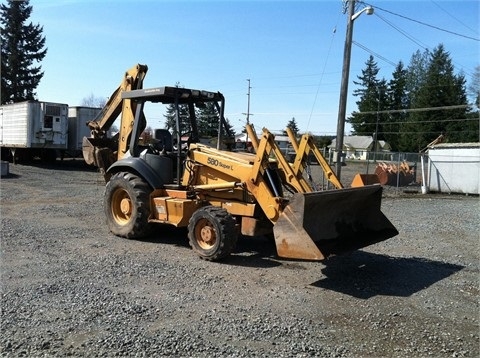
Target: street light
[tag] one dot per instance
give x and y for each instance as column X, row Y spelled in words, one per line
column 342, row 105
column 368, row 10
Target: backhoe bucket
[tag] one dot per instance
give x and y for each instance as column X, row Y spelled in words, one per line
column 314, row 226
column 97, row 151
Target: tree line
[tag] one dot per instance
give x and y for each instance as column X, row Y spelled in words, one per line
column 207, row 120
column 418, row 104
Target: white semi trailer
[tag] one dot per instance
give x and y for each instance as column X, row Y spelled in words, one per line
column 33, row 129
column 78, row 116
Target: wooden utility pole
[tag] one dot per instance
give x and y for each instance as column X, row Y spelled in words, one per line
column 248, row 109
column 342, row 104
column 248, row 103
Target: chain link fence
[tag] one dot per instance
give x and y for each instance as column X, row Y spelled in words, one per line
column 397, row 172
column 451, row 169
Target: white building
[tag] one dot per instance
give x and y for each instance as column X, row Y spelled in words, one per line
column 454, row 168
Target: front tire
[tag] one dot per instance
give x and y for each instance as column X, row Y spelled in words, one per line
column 127, row 205
column 212, row 233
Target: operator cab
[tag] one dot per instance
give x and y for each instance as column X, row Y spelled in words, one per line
column 166, row 147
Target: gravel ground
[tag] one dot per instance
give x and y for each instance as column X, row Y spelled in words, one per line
column 70, row 288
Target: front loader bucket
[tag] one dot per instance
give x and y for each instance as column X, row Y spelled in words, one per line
column 314, row 226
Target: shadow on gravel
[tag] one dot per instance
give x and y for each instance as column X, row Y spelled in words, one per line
column 169, row 235
column 66, row 164
column 364, row 275
column 11, row 176
column 258, row 252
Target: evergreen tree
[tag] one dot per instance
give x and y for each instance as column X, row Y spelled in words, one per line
column 397, row 99
column 323, row 141
column 415, row 80
column 474, row 87
column 472, row 126
column 23, row 47
column 184, row 118
column 441, row 88
column 457, row 128
column 372, row 93
column 208, row 120
column 473, row 116
column 292, row 124
column 230, row 128
column 416, row 75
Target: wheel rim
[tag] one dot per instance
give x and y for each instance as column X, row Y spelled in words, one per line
column 121, row 206
column 205, row 234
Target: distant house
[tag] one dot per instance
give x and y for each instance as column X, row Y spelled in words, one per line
column 358, row 147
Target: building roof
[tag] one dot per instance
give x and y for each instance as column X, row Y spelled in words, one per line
column 360, row 142
column 455, row 145
column 355, row 141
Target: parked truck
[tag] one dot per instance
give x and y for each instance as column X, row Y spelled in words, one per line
column 33, row 129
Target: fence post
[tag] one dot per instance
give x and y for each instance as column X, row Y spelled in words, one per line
column 424, row 185
column 398, row 172
column 368, row 160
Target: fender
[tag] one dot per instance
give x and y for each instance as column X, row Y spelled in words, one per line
column 139, row 166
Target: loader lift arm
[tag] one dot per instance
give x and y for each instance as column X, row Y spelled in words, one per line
column 293, row 173
column 302, row 151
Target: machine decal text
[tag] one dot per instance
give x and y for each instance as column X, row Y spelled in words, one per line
column 217, row 163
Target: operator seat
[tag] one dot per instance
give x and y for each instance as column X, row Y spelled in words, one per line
column 164, row 140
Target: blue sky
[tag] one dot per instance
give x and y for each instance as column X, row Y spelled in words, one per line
column 292, row 51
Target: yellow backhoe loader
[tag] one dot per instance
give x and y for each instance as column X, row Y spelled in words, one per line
column 219, row 195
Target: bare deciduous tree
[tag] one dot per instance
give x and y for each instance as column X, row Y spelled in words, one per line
column 93, row 101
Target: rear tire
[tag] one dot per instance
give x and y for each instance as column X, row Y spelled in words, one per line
column 127, row 206
column 212, row 233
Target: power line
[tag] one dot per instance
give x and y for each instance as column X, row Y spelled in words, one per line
column 374, row 54
column 428, row 25
column 323, row 72
column 406, row 110
column 425, row 132
column 408, row 36
column 432, row 121
column 411, row 38
column 453, row 17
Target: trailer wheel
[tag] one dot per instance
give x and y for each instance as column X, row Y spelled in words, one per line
column 127, row 205
column 212, row 233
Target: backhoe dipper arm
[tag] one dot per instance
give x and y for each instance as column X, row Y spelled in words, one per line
column 99, row 150
column 133, row 79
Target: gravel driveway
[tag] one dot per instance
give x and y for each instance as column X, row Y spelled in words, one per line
column 70, row 288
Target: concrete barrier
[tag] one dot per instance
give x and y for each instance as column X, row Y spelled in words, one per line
column 4, row 165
